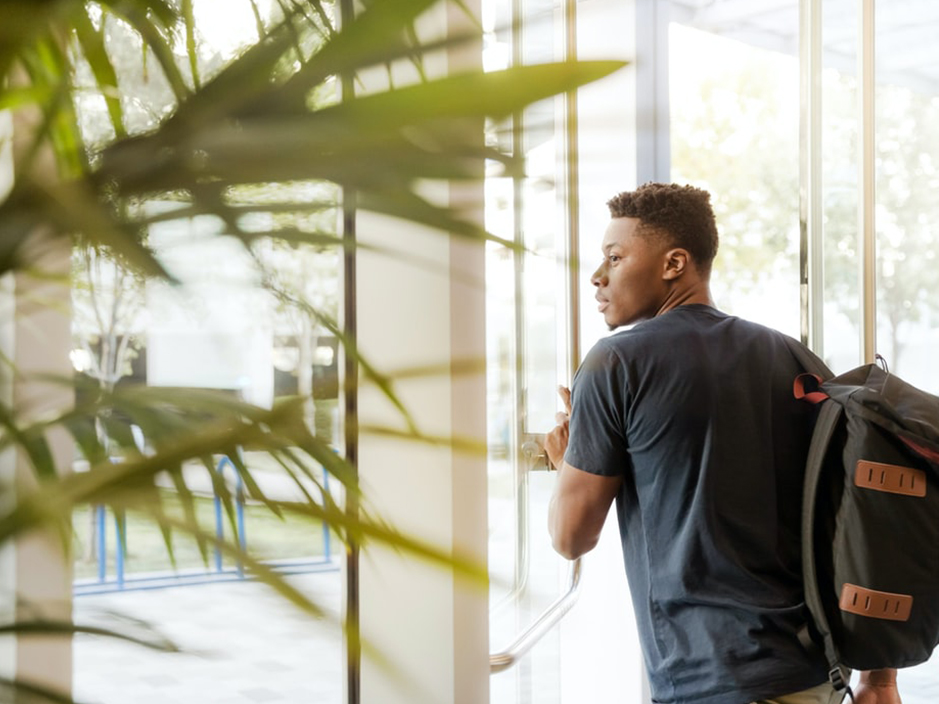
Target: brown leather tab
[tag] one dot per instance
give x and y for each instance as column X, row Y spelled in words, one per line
column 890, row 478
column 874, row 604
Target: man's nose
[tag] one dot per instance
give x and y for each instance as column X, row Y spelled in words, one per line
column 599, row 277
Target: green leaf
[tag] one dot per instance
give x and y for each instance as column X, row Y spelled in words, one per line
column 191, row 49
column 163, row 11
column 243, row 82
column 92, row 44
column 47, row 66
column 31, row 440
column 24, row 692
column 148, row 639
column 33, row 94
column 68, row 207
column 137, row 14
column 408, row 206
column 187, row 501
column 364, row 41
column 494, row 94
column 470, row 446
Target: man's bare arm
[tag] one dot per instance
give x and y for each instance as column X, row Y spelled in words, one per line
column 581, row 500
column 578, row 509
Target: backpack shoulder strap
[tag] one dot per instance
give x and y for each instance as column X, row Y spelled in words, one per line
column 825, row 423
column 828, row 417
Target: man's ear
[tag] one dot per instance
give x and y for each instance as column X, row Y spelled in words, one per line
column 677, row 262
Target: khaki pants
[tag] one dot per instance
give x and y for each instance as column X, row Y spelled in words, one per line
column 823, row 694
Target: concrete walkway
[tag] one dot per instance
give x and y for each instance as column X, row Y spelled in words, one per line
column 244, row 645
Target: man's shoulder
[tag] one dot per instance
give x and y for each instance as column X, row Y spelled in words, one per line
column 676, row 323
column 679, row 330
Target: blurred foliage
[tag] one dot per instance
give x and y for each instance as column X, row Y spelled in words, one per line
column 134, row 109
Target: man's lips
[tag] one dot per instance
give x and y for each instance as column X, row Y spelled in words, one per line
column 602, row 303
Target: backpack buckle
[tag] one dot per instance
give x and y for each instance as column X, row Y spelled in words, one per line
column 836, row 677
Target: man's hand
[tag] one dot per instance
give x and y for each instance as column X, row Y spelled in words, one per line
column 555, row 442
column 877, row 687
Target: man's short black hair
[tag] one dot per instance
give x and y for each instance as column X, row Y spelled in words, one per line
column 681, row 214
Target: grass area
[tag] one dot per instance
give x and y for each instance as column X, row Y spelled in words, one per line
column 268, row 537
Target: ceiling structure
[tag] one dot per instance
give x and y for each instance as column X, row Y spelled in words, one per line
column 906, row 49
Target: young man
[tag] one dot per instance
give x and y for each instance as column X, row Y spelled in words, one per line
column 688, row 421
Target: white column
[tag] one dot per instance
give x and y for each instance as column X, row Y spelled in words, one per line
column 423, row 306
column 429, row 624
column 7, row 459
column 35, row 572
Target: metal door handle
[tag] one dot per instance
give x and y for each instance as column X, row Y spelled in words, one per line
column 533, row 451
column 533, row 459
column 549, row 618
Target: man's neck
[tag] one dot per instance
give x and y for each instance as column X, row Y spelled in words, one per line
column 699, row 293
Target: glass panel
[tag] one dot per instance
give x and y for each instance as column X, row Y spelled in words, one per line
column 543, row 224
column 735, row 132
column 840, row 187
column 524, row 329
column 907, row 158
column 542, row 326
column 237, row 322
column 507, row 564
column 907, row 153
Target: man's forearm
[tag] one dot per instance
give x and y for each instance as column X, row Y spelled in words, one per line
column 578, row 509
column 877, row 687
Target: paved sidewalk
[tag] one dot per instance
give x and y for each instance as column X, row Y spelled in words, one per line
column 244, row 645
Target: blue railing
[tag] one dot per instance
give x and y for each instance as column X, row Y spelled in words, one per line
column 239, row 514
column 121, row 581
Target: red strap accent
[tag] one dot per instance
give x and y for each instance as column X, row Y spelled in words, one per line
column 798, row 388
column 926, row 452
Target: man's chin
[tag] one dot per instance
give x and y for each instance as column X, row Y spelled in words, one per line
column 612, row 322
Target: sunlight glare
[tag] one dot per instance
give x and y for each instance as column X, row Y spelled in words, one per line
column 228, row 25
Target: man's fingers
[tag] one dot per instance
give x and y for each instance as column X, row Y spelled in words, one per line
column 565, row 394
column 561, row 418
column 555, row 444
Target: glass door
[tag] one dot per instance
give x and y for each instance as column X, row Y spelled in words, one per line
column 527, row 342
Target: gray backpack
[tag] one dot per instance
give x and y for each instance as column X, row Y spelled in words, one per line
column 870, row 517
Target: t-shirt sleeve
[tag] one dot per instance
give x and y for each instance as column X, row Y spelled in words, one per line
column 597, row 442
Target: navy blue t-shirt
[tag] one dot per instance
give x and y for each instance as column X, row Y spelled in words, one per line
column 694, row 409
